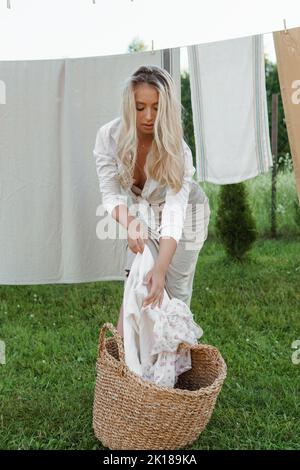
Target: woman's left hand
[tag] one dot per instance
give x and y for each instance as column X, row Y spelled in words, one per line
column 155, row 280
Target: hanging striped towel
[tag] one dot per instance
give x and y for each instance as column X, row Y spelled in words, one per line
column 230, row 117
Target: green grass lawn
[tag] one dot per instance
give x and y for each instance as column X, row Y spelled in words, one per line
column 249, row 311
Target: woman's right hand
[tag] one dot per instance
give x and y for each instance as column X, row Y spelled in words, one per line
column 137, row 235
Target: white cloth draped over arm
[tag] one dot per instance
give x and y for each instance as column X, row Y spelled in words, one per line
column 107, row 171
column 174, row 210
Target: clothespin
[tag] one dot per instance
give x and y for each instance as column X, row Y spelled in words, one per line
column 284, row 25
column 152, row 47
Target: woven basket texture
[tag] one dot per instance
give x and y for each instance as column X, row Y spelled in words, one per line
column 132, row 413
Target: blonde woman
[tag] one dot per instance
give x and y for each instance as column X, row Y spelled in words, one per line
column 142, row 154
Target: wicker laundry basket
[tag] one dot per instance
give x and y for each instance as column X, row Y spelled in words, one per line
column 132, row 413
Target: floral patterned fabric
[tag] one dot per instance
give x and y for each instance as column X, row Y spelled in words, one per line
column 152, row 335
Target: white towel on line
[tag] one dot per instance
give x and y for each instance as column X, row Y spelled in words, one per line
column 230, row 116
column 152, row 335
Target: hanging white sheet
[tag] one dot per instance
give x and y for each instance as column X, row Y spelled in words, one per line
column 50, row 113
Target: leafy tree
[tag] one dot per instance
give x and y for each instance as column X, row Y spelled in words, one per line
column 284, row 160
column 137, row 45
column 187, row 114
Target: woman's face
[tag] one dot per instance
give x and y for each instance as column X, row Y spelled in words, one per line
column 146, row 101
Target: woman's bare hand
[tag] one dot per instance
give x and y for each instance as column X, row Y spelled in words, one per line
column 155, row 280
column 137, row 235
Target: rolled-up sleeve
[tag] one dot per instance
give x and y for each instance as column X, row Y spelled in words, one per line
column 107, row 171
column 174, row 210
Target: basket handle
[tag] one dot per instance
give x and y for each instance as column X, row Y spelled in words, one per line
column 183, row 345
column 109, row 326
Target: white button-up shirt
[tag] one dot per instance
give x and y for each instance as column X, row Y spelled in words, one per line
column 108, row 165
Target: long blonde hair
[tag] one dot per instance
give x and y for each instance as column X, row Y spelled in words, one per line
column 165, row 162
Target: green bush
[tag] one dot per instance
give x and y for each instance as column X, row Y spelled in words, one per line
column 235, row 224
